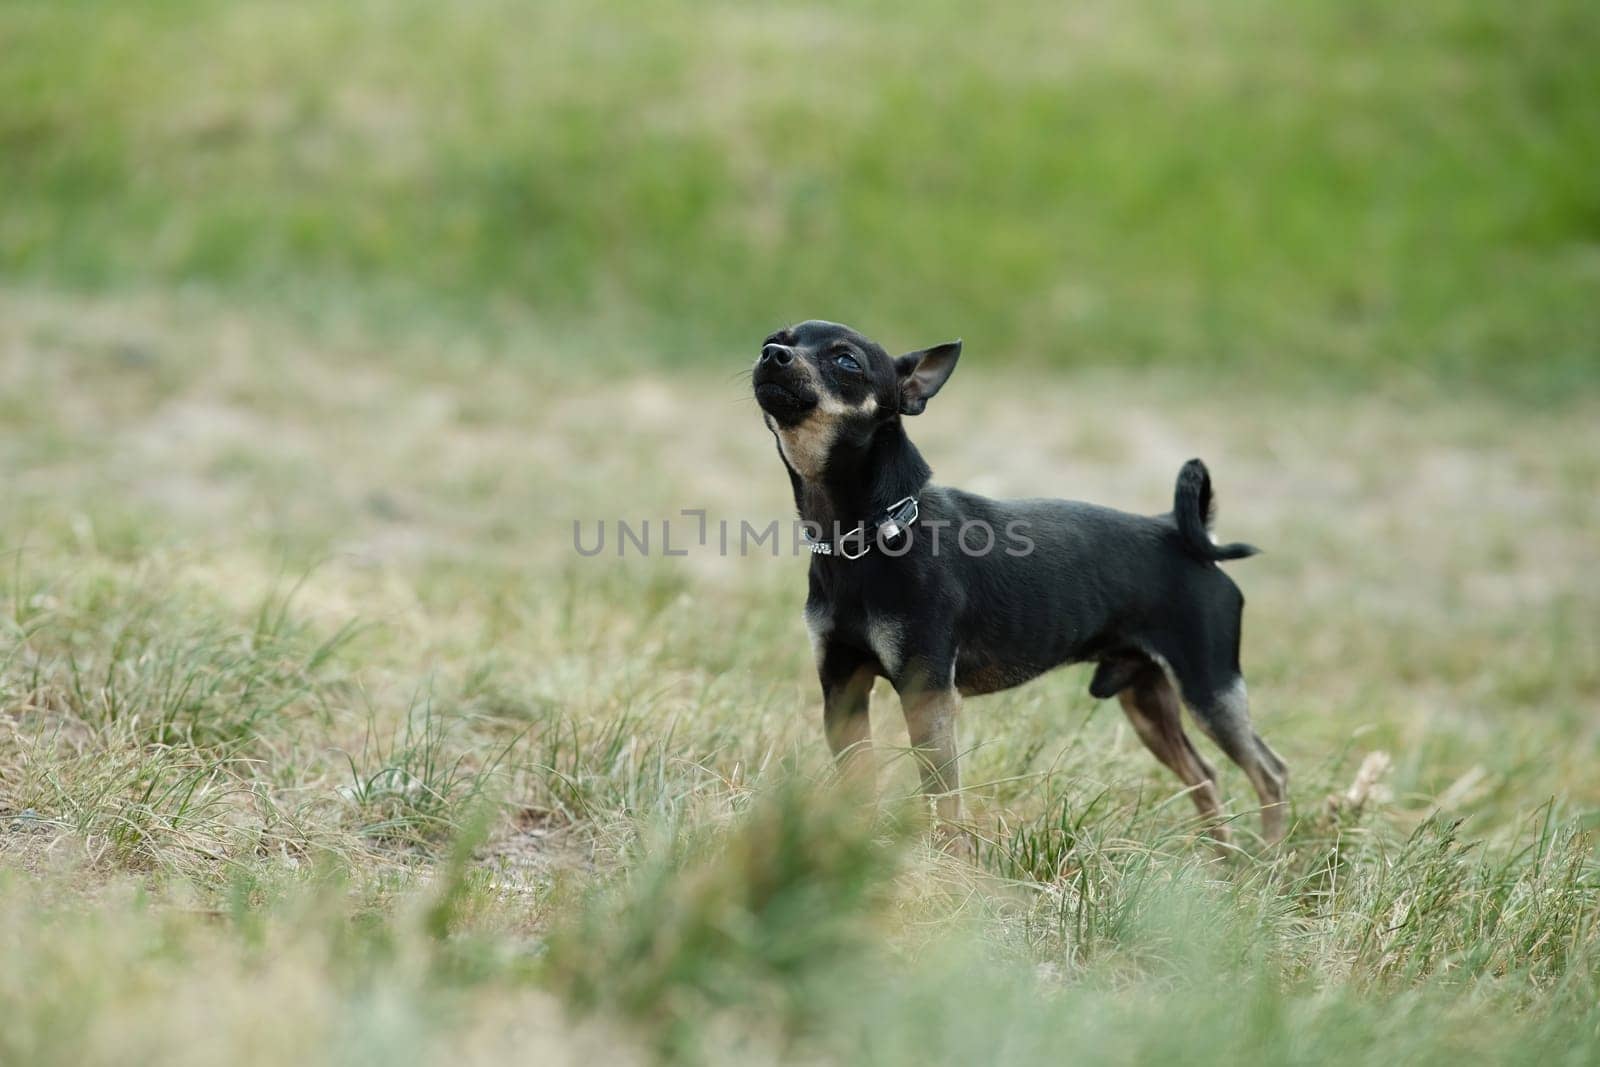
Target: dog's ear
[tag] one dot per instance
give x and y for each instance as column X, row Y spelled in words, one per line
column 923, row 373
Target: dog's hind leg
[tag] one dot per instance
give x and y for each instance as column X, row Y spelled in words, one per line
column 1152, row 706
column 1225, row 717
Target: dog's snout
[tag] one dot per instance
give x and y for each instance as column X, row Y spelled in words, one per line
column 782, row 355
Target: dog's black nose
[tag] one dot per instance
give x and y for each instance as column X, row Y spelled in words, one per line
column 779, row 354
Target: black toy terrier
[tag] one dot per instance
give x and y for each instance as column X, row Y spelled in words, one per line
column 948, row 594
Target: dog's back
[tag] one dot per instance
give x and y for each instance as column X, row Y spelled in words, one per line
column 1067, row 581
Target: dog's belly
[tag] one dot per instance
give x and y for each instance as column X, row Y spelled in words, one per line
column 978, row 673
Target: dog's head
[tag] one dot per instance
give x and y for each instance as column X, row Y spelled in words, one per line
column 820, row 383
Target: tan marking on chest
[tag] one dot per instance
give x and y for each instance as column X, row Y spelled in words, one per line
column 886, row 637
column 818, row 626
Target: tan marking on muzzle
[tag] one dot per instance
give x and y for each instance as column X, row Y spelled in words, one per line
column 807, row 445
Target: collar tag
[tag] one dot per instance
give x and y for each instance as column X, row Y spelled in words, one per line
column 895, row 523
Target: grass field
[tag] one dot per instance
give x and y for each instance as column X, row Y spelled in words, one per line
column 320, row 325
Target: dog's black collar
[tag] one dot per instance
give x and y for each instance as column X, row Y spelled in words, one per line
column 895, row 523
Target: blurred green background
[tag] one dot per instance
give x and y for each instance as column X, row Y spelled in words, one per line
column 1345, row 190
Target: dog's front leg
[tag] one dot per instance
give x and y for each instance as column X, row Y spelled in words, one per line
column 847, row 676
column 930, row 701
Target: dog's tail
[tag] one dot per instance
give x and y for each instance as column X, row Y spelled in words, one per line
column 1193, row 507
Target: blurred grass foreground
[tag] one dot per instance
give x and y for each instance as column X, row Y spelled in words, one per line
column 1350, row 189
column 321, row 322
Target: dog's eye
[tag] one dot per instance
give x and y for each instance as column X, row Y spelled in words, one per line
column 846, row 361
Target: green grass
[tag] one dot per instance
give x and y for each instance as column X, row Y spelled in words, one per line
column 1341, row 188
column 321, row 323
column 318, row 742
